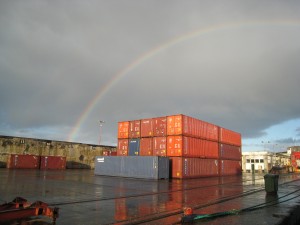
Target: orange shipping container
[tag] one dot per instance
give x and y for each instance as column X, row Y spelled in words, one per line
column 230, row 137
column 146, row 148
column 182, row 167
column 146, row 128
column 123, row 129
column 159, row 146
column 230, row 167
column 230, row 152
column 191, row 147
column 122, row 148
column 188, row 126
column 159, row 126
column 135, row 129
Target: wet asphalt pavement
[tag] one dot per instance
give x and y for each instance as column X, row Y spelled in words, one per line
column 84, row 198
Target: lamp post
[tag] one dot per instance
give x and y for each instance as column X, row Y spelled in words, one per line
column 100, row 131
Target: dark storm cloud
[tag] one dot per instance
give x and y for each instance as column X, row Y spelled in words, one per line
column 290, row 141
column 55, row 57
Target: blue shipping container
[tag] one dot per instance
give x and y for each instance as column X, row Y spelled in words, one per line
column 148, row 167
column 134, row 147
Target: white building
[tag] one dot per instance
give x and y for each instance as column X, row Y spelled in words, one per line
column 257, row 161
column 263, row 161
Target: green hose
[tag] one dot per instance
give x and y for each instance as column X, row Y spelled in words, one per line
column 219, row 214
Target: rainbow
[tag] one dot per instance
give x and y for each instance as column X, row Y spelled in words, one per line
column 149, row 54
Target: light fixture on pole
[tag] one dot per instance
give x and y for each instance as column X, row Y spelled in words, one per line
column 100, row 131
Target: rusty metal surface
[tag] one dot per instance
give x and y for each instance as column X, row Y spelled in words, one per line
column 53, row 162
column 84, row 198
column 17, row 161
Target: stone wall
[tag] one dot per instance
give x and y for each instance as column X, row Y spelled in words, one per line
column 78, row 155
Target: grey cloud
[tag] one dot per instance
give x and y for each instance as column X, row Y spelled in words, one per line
column 55, row 57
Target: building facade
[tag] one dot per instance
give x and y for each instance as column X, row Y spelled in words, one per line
column 263, row 161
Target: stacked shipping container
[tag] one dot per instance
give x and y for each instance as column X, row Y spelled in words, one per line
column 196, row 148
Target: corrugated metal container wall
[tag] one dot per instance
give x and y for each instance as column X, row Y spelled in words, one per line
column 160, row 146
column 135, row 129
column 229, row 137
column 191, row 147
column 106, row 153
column 295, row 155
column 134, row 147
column 188, row 126
column 146, row 128
column 113, row 153
column 122, row 148
column 230, row 167
column 152, row 167
column 23, row 161
column 295, row 160
column 123, row 129
column 53, row 162
column 175, row 125
column 160, row 126
column 182, row 167
column 230, row 152
column 146, row 148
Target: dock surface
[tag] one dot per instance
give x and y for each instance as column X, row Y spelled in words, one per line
column 85, row 198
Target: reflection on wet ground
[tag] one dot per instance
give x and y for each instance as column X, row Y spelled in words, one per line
column 84, row 198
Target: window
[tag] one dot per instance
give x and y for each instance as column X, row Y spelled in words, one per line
column 261, row 161
column 252, row 160
column 248, row 160
column 256, row 160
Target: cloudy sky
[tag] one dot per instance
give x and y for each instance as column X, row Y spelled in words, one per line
column 65, row 65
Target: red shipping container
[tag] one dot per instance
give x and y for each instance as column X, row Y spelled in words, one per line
column 146, row 148
column 106, row 153
column 146, row 128
column 295, row 160
column 109, row 153
column 123, row 129
column 159, row 126
column 230, row 167
column 113, row 153
column 159, row 146
column 295, row 155
column 230, row 152
column 122, row 148
column 229, row 137
column 135, row 129
column 188, row 126
column 182, row 167
column 23, row 161
column 53, row 162
column 191, row 147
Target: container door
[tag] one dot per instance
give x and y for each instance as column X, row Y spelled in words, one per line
column 134, row 147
